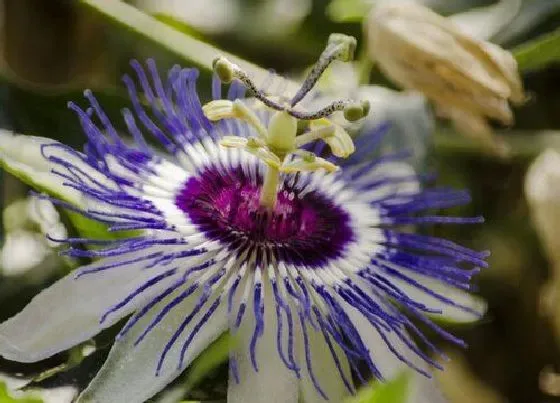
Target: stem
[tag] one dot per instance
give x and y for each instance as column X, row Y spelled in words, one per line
column 269, row 189
column 183, row 46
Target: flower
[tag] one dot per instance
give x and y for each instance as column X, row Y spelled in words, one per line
column 469, row 80
column 311, row 272
column 542, row 190
column 25, row 247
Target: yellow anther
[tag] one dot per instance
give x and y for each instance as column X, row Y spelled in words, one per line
column 224, row 109
column 243, row 112
column 320, row 133
column 340, row 142
column 254, row 146
column 302, row 165
column 233, row 142
column 266, row 156
column 218, row 110
column 255, row 142
column 306, row 156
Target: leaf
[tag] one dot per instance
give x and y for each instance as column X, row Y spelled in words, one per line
column 393, row 391
column 207, row 367
column 185, row 47
column 538, row 53
column 216, row 354
column 89, row 228
column 45, row 112
column 348, row 10
column 5, row 397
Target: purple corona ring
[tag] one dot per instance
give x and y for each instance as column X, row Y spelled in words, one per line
column 306, row 228
column 248, row 215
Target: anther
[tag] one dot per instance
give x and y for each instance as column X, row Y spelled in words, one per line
column 255, row 142
column 307, row 156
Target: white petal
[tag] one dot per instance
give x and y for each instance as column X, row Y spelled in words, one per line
column 273, row 383
column 423, row 389
column 129, row 374
column 324, row 370
column 21, row 155
column 403, row 174
column 449, row 313
column 22, row 251
column 69, row 312
column 388, row 364
column 485, row 22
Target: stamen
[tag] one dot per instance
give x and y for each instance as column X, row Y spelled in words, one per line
column 253, row 146
column 310, row 136
column 225, row 109
column 309, row 162
column 340, row 143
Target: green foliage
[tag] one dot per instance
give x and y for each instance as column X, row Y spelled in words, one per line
column 6, row 398
column 539, row 53
column 183, row 46
column 392, row 391
column 214, row 355
column 89, row 228
column 348, row 10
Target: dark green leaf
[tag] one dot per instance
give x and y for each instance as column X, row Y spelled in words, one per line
column 6, row 398
column 393, row 391
column 348, row 10
column 539, row 53
column 184, row 47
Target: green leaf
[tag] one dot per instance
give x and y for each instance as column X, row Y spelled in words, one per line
column 6, row 398
column 183, row 46
column 210, row 359
column 393, row 391
column 204, row 379
column 44, row 112
column 89, row 228
column 348, row 10
column 522, row 144
column 538, row 53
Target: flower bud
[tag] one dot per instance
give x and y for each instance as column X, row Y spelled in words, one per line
column 468, row 80
column 542, row 189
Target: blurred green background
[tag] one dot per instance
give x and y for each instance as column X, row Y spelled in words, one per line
column 50, row 50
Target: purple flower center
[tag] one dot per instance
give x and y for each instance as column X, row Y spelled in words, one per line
column 304, row 228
